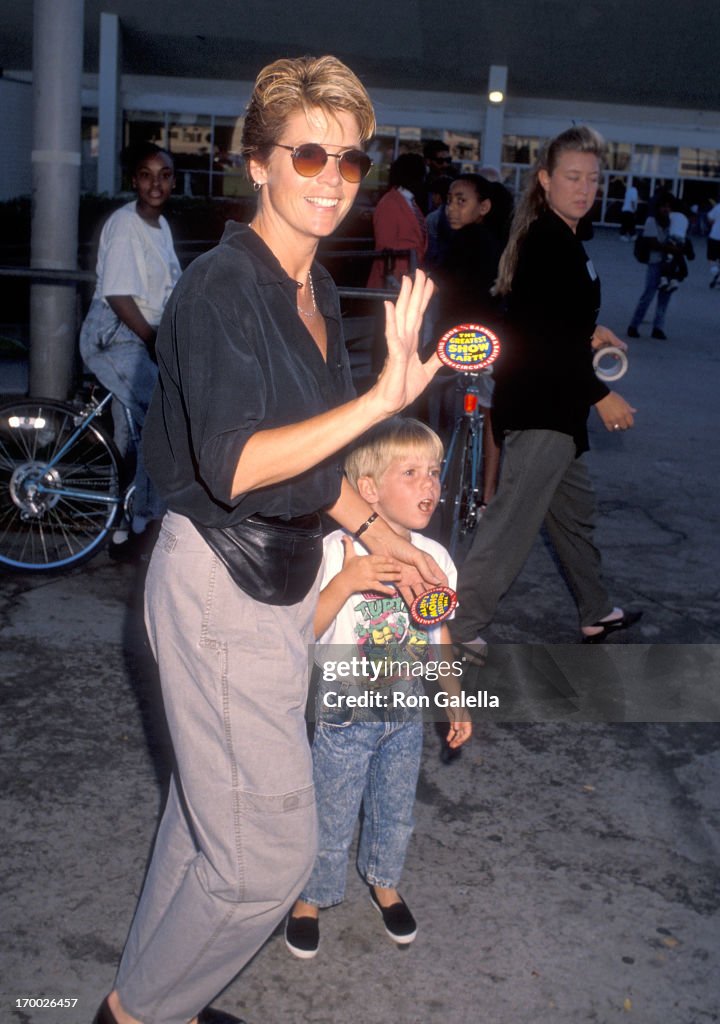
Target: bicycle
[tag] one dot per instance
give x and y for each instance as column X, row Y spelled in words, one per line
column 63, row 484
column 470, row 350
column 461, row 476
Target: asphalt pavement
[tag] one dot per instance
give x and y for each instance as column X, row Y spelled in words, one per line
column 564, row 869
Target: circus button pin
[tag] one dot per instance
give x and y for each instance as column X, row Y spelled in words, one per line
column 469, row 348
column 434, row 606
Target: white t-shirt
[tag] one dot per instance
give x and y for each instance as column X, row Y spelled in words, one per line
column 714, row 220
column 678, row 225
column 374, row 620
column 138, row 260
column 631, row 200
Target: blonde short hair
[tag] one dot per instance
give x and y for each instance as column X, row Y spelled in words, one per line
column 389, row 440
column 302, row 83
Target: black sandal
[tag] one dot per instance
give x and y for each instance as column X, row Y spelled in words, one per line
column 606, row 628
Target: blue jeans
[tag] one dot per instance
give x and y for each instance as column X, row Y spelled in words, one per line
column 370, row 763
column 652, row 280
column 121, row 362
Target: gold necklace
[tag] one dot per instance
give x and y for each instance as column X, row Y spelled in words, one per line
column 313, row 311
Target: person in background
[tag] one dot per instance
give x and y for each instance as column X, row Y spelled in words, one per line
column 713, row 244
column 437, row 225
column 545, row 386
column 466, row 278
column 399, row 223
column 656, row 236
column 628, row 213
column 674, row 268
column 438, row 164
column 373, row 759
column 136, row 272
column 254, row 402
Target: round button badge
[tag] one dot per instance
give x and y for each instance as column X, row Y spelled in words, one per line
column 434, row 606
column 469, row 348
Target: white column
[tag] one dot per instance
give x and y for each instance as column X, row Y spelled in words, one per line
column 494, row 116
column 57, row 72
column 109, row 109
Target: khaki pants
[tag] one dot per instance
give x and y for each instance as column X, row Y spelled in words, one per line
column 238, row 836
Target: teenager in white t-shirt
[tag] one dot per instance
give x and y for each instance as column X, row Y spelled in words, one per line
column 136, row 271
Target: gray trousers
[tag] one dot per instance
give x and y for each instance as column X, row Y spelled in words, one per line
column 238, row 836
column 541, row 482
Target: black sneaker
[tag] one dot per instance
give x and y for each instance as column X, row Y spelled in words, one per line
column 399, row 922
column 302, row 936
column 658, row 334
column 632, row 332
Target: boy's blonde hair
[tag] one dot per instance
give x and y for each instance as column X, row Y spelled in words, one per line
column 388, row 440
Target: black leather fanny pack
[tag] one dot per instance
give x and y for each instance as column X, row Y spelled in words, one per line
column 274, row 561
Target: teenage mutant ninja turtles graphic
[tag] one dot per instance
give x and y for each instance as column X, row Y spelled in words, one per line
column 384, row 629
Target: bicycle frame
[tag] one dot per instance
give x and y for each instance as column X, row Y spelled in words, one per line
column 461, row 473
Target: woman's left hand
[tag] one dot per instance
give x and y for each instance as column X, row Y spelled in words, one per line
column 615, row 412
column 404, row 376
column 603, row 337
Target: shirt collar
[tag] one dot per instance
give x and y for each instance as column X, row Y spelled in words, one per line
column 268, row 268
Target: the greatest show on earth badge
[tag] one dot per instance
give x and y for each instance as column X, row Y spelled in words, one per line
column 434, row 606
column 469, row 348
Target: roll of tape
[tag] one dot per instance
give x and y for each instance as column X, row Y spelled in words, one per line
column 610, row 363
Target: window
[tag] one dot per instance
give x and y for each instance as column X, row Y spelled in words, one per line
column 699, row 163
column 655, row 161
column 518, row 149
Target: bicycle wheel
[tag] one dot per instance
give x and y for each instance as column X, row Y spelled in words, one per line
column 60, row 485
column 462, row 477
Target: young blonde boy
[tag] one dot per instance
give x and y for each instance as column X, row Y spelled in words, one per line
column 373, row 760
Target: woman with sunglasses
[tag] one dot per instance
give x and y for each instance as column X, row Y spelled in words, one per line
column 243, row 439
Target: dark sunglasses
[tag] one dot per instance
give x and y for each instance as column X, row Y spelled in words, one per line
column 310, row 158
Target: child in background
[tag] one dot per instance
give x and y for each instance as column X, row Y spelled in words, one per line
column 373, row 759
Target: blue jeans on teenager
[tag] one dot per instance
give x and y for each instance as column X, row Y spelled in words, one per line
column 121, row 362
column 652, row 280
column 373, row 761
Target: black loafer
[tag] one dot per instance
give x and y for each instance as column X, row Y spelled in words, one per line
column 104, row 1014
column 606, row 628
column 302, row 936
column 212, row 1016
column 399, row 922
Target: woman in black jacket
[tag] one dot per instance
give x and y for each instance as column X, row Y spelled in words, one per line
column 545, row 387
